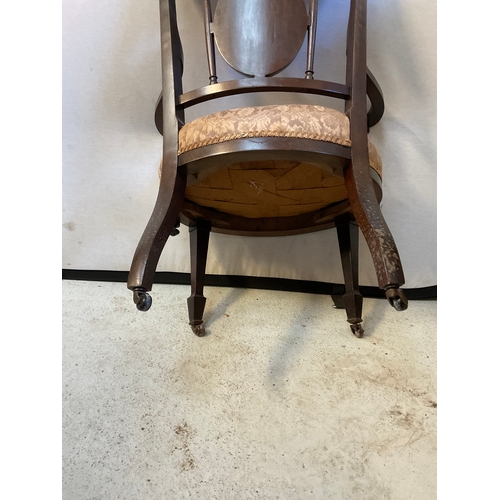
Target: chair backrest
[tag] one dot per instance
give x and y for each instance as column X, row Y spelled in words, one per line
column 259, row 39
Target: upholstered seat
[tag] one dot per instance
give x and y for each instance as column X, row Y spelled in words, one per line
column 272, row 188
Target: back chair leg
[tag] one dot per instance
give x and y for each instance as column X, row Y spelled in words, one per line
column 161, row 225
column 366, row 210
column 348, row 237
column 198, row 238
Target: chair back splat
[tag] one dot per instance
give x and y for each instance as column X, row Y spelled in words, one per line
column 272, row 170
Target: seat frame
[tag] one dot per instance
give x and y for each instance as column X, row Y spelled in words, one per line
column 363, row 185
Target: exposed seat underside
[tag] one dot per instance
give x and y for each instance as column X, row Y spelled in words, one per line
column 273, row 188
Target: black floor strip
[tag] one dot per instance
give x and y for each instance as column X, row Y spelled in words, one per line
column 281, row 284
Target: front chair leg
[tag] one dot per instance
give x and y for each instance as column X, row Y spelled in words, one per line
column 161, row 225
column 348, row 237
column 385, row 255
column 198, row 239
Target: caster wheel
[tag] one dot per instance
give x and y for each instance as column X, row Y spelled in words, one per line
column 175, row 230
column 399, row 305
column 142, row 300
column 357, row 329
column 198, row 330
column 397, row 299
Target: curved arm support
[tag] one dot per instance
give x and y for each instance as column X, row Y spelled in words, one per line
column 376, row 97
column 243, row 86
column 252, row 85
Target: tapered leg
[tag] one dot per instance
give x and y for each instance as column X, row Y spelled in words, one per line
column 161, row 225
column 366, row 210
column 348, row 236
column 198, row 238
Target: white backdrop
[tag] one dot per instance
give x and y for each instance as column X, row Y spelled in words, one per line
column 111, row 148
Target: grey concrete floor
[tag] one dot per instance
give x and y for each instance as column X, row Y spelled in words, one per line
column 278, row 401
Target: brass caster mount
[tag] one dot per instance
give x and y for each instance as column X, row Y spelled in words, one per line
column 142, row 299
column 397, row 298
column 357, row 330
column 199, row 329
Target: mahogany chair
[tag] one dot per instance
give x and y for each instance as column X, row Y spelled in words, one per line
column 268, row 170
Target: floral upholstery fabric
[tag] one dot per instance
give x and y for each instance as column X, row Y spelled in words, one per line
column 291, row 120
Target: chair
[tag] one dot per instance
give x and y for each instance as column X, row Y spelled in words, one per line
column 268, row 170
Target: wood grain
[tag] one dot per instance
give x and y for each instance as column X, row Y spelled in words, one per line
column 268, row 189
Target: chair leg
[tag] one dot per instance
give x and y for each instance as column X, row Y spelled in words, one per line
column 198, row 238
column 161, row 225
column 366, row 210
column 348, row 237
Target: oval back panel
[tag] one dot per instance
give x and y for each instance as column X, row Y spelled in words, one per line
column 259, row 37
